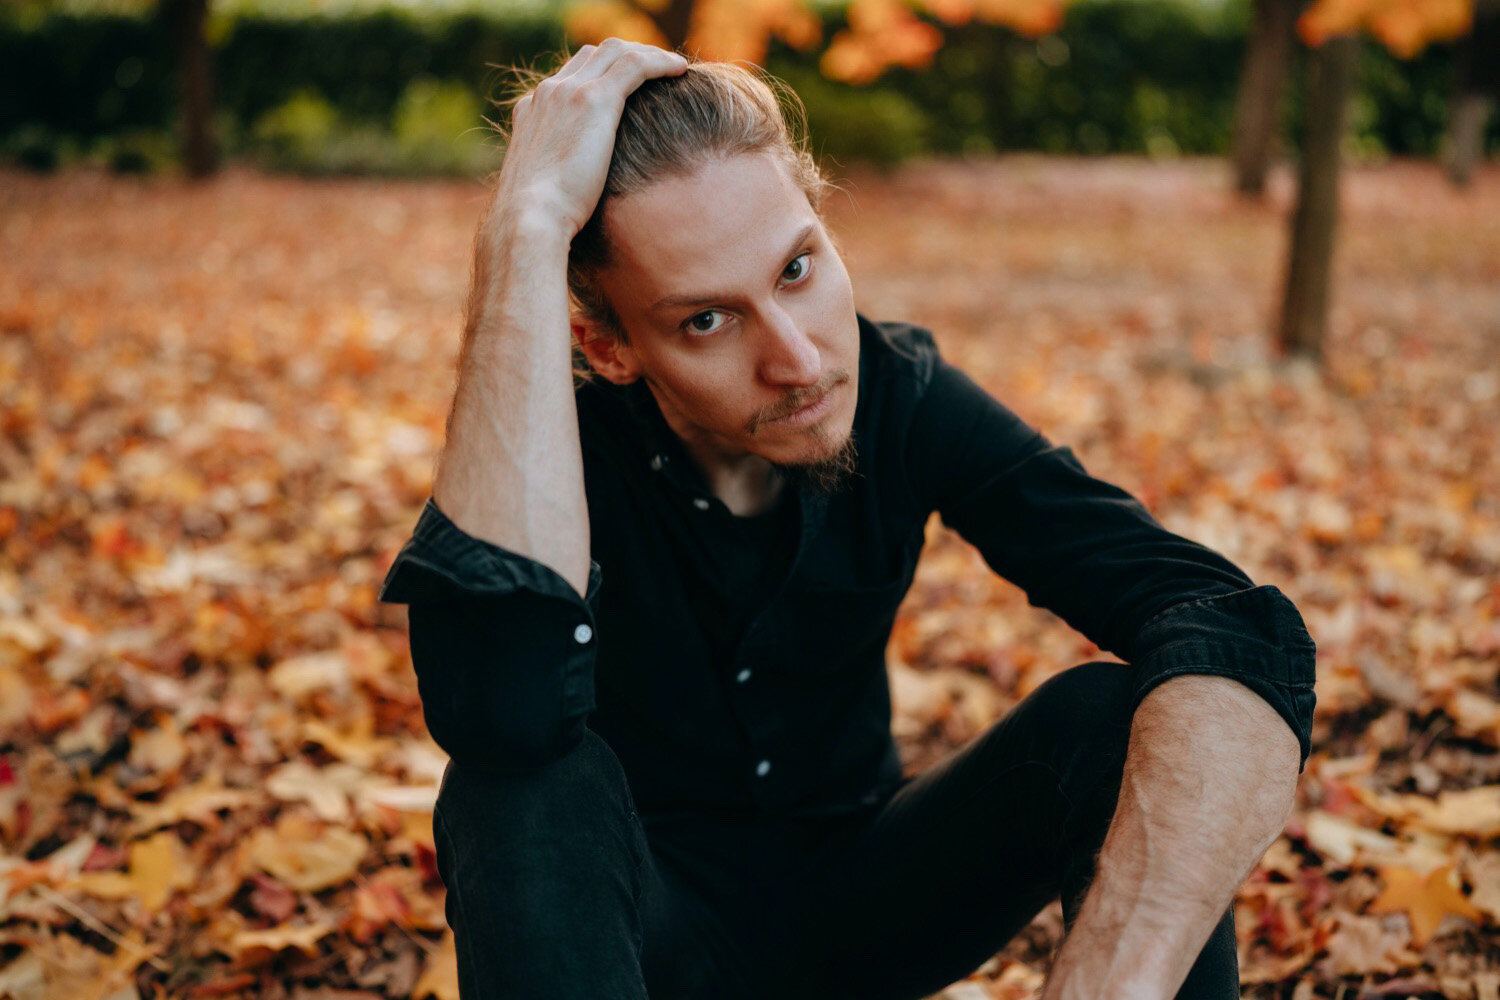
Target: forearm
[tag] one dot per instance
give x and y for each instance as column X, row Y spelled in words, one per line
column 511, row 470
column 1208, row 784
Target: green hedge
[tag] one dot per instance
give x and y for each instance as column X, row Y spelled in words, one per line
column 347, row 92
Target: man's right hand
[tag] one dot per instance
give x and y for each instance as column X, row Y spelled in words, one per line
column 563, row 133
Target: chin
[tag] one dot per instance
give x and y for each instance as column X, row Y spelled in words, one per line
column 826, row 468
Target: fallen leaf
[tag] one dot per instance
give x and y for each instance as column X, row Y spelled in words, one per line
column 1426, row 898
column 439, row 979
column 1361, row 945
column 157, row 869
column 307, row 859
column 200, row 803
column 299, row 676
column 304, row 938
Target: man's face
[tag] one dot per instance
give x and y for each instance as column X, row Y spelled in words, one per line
column 738, row 312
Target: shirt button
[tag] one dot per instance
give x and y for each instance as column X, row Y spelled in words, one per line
column 582, row 634
column 701, row 503
column 657, row 461
column 743, row 675
column 762, row 769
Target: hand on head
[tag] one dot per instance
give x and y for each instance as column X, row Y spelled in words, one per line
column 563, row 132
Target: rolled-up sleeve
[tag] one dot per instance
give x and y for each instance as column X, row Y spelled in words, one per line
column 1255, row 636
column 503, row 647
column 1091, row 553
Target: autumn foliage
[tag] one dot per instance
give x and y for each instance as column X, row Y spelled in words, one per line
column 1403, row 26
column 879, row 33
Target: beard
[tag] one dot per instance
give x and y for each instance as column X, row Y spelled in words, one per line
column 826, row 474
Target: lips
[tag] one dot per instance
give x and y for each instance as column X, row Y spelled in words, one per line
column 803, row 408
column 807, row 408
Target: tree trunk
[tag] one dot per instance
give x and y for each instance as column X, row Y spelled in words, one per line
column 673, row 20
column 1258, row 100
column 197, row 145
column 1476, row 83
column 1304, row 311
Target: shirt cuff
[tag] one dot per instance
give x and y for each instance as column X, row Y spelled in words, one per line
column 440, row 561
column 1254, row 636
column 503, row 647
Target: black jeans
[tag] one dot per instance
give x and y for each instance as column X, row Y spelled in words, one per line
column 557, row 889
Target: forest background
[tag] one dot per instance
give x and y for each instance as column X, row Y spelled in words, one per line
column 220, row 400
column 362, row 87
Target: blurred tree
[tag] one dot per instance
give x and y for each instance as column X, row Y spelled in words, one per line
column 1476, row 86
column 187, row 21
column 1257, row 102
column 1309, row 263
column 1331, row 28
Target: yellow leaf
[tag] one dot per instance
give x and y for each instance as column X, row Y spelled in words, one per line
column 299, row 676
column 199, row 803
column 306, row 858
column 356, row 745
column 1425, row 898
column 157, row 867
column 440, row 976
column 304, row 938
column 156, row 864
column 298, row 781
column 1473, row 812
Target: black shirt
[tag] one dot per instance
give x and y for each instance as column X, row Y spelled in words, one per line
column 728, row 679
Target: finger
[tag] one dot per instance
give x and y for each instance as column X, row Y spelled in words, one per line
column 575, row 62
column 518, row 110
column 630, row 64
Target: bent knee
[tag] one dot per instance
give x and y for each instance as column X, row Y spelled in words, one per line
column 1095, row 698
column 582, row 788
column 1079, row 721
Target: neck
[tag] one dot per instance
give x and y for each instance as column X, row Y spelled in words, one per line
column 747, row 483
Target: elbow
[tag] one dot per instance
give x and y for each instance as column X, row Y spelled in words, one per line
column 502, row 741
column 501, row 686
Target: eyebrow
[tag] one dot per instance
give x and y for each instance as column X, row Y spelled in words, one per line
column 672, row 301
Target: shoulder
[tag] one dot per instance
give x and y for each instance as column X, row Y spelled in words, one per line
column 897, row 349
column 896, row 366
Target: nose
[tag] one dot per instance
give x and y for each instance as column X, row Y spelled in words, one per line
column 788, row 357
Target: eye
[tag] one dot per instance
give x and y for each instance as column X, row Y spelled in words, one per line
column 797, row 269
column 705, row 322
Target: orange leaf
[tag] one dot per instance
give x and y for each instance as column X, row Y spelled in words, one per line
column 1425, row 898
column 440, row 976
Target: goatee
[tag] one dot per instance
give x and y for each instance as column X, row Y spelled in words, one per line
column 826, row 474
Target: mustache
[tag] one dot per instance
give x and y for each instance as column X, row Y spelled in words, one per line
column 797, row 399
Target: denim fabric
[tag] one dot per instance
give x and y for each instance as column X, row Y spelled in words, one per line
column 558, row 889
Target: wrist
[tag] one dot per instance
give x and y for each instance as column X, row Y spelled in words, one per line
column 530, row 223
column 537, row 210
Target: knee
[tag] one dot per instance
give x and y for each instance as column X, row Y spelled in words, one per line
column 584, row 790
column 1092, row 699
column 1084, row 713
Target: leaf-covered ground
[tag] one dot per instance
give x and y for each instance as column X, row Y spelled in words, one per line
column 220, row 406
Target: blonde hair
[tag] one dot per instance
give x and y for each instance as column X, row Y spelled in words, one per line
column 669, row 127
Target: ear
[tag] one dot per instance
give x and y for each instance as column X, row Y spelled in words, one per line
column 609, row 357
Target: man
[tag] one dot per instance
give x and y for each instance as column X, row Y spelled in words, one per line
column 648, row 613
